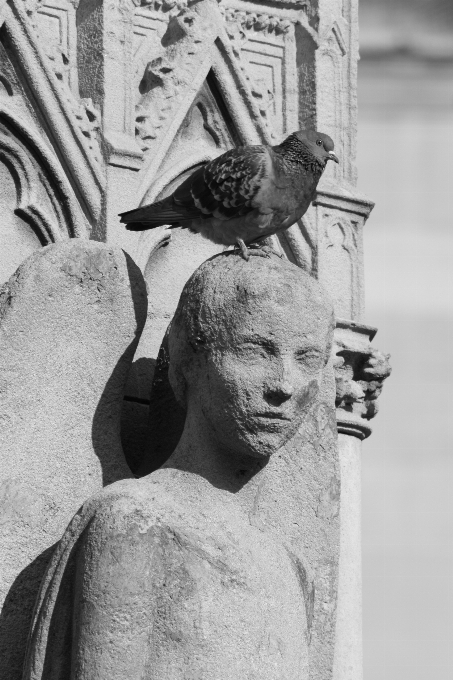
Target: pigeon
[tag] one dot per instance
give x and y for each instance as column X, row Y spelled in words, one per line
column 245, row 195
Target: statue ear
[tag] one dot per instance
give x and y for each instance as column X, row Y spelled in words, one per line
column 178, row 384
column 185, row 372
column 184, row 356
column 173, row 368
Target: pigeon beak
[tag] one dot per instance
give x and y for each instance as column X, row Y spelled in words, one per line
column 332, row 157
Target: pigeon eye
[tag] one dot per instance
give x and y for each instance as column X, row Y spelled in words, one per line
column 319, row 142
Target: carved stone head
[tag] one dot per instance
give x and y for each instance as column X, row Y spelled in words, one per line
column 247, row 347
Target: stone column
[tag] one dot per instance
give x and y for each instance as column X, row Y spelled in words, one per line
column 348, row 647
column 360, row 373
column 329, row 243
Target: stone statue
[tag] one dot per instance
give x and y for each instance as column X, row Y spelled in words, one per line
column 174, row 576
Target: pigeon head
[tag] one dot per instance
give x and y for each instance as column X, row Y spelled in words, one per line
column 310, row 146
column 319, row 144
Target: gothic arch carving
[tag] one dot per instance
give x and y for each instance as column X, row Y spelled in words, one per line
column 37, row 207
column 5, row 86
column 340, row 272
column 28, row 204
column 205, row 132
column 190, row 50
column 37, row 167
column 299, row 244
column 332, row 66
column 150, row 241
column 70, row 122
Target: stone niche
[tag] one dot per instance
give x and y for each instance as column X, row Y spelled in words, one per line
column 105, row 106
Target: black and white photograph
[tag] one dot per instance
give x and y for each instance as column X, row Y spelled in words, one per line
column 226, row 339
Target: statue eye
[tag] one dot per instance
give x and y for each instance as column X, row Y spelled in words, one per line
column 311, row 359
column 254, row 351
column 319, row 142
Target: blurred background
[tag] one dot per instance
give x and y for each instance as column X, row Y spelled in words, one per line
column 405, row 164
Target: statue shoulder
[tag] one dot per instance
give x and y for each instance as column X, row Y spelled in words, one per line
column 129, row 505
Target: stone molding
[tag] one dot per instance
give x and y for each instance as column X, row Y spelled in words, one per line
column 253, row 46
column 328, row 242
column 71, row 136
column 166, row 78
column 360, row 371
column 257, row 46
column 52, row 220
column 60, row 47
column 21, row 140
column 233, row 87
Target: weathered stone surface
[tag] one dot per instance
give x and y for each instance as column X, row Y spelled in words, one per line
column 317, row 478
column 42, row 105
column 70, row 318
column 348, row 658
column 108, row 105
column 210, row 567
column 360, row 372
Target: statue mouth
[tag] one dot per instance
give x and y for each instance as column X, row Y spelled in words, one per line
column 273, row 415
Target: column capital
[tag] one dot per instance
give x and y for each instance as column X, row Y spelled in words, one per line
column 360, row 371
column 350, row 201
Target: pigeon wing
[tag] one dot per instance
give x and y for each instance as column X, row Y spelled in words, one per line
column 227, row 186
column 176, row 208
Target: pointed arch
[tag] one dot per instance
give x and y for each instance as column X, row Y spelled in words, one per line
column 221, row 67
column 35, row 166
column 38, row 205
column 59, row 109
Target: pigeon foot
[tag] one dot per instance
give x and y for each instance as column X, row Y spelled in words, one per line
column 261, row 250
column 258, row 249
column 243, row 248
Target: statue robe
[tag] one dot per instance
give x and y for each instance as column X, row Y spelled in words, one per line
column 143, row 586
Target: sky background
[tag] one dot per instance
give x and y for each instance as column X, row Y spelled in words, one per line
column 405, row 163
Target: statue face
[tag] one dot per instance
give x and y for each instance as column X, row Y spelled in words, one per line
column 262, row 373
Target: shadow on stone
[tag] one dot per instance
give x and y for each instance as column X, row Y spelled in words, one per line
column 71, row 317
column 140, row 379
column 107, row 416
column 166, row 417
column 135, row 412
column 17, row 610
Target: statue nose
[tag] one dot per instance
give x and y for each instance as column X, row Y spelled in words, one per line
column 279, row 393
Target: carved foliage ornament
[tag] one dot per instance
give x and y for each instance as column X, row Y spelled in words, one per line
column 258, row 18
column 162, row 84
column 258, row 43
column 170, row 6
column 359, row 379
column 258, row 22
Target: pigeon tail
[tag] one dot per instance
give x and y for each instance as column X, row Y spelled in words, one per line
column 139, row 226
column 157, row 215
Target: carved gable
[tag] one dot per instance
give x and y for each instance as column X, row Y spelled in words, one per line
column 38, row 205
column 206, row 131
column 47, row 141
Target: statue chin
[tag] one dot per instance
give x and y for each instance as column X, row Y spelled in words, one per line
column 264, row 437
column 260, row 434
